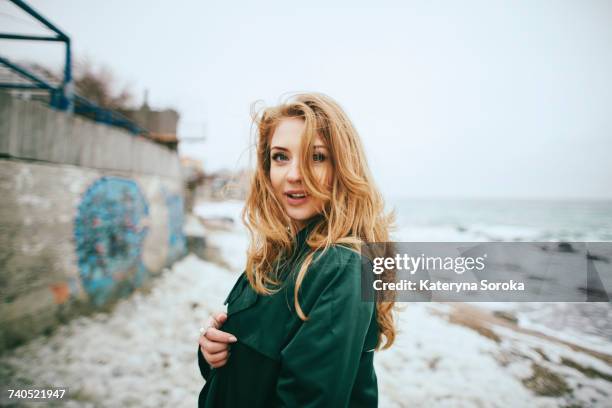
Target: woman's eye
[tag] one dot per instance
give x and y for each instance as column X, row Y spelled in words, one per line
column 318, row 157
column 279, row 157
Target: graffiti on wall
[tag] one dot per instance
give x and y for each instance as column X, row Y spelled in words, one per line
column 176, row 238
column 109, row 230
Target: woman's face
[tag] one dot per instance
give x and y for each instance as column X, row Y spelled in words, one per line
column 285, row 152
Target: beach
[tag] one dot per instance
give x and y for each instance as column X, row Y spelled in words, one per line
column 142, row 353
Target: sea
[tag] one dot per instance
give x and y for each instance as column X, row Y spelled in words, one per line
column 503, row 220
column 487, row 220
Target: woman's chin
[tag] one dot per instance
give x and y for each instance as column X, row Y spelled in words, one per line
column 300, row 218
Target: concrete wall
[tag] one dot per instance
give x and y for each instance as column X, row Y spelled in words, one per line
column 30, row 130
column 88, row 213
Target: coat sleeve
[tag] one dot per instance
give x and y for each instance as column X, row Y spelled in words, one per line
column 320, row 363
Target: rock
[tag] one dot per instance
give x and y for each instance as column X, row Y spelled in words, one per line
column 506, row 316
column 565, row 247
column 545, row 382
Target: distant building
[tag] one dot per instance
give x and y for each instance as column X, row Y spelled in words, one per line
column 224, row 185
column 161, row 124
column 193, row 177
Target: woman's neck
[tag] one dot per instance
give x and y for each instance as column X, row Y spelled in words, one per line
column 301, row 224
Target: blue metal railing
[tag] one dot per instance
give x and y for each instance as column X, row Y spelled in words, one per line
column 62, row 97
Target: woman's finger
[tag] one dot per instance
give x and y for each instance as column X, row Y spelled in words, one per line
column 217, row 357
column 217, row 360
column 203, row 341
column 219, row 364
column 215, row 347
column 219, row 336
column 219, row 319
column 222, row 362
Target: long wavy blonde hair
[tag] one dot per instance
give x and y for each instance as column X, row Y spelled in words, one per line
column 353, row 209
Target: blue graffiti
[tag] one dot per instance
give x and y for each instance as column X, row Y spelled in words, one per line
column 176, row 238
column 109, row 233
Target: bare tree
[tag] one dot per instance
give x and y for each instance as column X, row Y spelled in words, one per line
column 95, row 82
column 99, row 84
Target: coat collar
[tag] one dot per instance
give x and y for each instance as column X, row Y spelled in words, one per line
column 302, row 235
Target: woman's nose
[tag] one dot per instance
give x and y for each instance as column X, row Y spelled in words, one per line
column 294, row 172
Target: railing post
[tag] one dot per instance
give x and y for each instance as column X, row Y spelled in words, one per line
column 68, row 84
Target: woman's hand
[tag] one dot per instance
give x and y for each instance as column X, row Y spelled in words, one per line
column 214, row 343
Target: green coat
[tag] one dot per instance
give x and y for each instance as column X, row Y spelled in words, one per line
column 280, row 360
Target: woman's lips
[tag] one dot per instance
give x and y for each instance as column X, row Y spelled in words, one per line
column 296, row 200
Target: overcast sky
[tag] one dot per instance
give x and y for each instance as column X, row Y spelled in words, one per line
column 452, row 99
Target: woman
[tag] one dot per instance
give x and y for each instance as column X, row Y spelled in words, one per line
column 300, row 334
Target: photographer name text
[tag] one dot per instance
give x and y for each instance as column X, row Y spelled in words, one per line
column 429, row 285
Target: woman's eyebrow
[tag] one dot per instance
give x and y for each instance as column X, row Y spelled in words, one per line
column 282, row 148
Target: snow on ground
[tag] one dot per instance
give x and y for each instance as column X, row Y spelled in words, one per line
column 221, row 209
column 518, row 351
column 232, row 244
column 232, row 247
column 437, row 364
column 142, row 354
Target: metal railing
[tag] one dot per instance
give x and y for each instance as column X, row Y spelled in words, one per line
column 62, row 95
